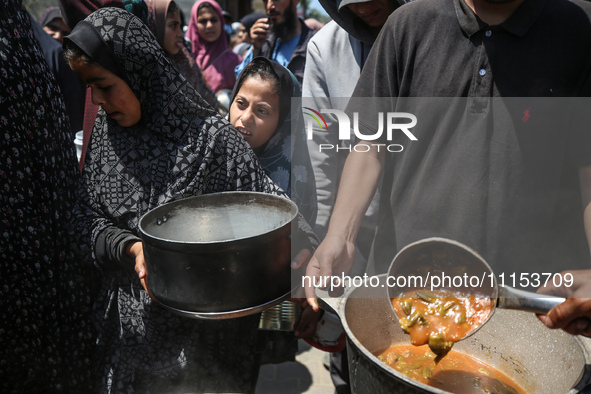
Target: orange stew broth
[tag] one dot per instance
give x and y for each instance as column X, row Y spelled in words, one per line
column 452, row 315
column 456, row 372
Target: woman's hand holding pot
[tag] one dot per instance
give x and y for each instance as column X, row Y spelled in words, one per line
column 136, row 250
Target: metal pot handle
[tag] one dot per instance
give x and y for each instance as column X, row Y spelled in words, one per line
column 330, row 304
column 584, row 384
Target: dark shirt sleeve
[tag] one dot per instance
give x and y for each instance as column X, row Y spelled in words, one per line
column 377, row 84
column 100, row 241
column 110, row 247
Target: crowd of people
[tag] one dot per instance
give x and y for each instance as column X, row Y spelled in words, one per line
column 173, row 107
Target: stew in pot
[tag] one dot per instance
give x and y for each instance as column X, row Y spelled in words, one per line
column 440, row 318
column 456, row 373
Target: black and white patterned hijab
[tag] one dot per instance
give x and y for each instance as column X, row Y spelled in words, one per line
column 180, row 147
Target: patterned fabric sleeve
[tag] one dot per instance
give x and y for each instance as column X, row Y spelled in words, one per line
column 45, row 294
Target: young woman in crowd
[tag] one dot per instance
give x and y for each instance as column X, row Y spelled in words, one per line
column 260, row 111
column 53, row 24
column 210, row 45
column 155, row 140
column 164, row 20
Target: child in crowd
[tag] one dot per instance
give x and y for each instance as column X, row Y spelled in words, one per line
column 260, row 111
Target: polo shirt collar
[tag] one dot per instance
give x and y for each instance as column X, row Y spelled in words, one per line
column 518, row 24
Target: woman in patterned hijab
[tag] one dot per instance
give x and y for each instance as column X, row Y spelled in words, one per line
column 284, row 153
column 260, row 110
column 160, row 143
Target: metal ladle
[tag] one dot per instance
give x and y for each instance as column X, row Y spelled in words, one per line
column 439, row 264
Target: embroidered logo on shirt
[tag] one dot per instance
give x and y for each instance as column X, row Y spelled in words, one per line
column 526, row 115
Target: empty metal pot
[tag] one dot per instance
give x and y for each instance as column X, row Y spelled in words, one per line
column 219, row 255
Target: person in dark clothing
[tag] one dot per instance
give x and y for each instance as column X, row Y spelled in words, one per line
column 54, row 24
column 280, row 37
column 261, row 113
column 493, row 167
column 46, row 337
column 73, row 90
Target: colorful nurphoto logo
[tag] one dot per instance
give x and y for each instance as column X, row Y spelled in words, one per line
column 316, row 119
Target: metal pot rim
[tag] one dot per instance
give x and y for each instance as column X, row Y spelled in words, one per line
column 227, row 314
column 172, row 204
column 338, row 306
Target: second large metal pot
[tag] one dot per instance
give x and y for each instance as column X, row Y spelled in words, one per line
column 219, row 255
column 516, row 343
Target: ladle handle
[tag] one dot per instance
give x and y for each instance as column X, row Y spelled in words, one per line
column 510, row 298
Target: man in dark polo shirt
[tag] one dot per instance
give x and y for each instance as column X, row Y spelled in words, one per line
column 502, row 155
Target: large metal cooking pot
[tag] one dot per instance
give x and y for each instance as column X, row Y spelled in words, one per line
column 515, row 342
column 219, row 255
